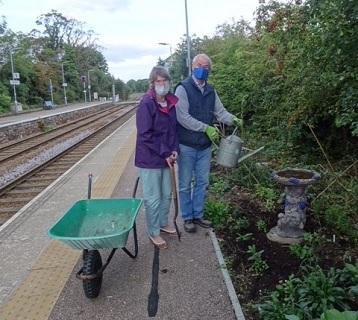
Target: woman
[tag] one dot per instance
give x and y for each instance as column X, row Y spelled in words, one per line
column 157, row 149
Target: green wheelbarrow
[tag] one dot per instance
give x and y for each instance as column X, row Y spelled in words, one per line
column 94, row 224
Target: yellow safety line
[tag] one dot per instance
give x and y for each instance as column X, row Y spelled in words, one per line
column 105, row 184
column 37, row 294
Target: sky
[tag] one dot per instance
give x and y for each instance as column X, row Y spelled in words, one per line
column 130, row 30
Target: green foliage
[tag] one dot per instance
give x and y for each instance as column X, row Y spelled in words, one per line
column 336, row 201
column 261, row 225
column 217, row 185
column 267, row 195
column 258, row 265
column 244, row 237
column 335, row 217
column 349, row 278
column 291, row 317
column 216, row 211
column 334, row 314
column 307, row 297
column 306, row 250
column 239, row 224
column 63, row 52
column 5, row 103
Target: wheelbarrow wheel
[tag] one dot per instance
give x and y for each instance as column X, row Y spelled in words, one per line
column 92, row 262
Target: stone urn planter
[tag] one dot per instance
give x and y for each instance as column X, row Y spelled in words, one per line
column 290, row 225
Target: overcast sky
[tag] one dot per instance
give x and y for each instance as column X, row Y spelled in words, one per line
column 130, row 30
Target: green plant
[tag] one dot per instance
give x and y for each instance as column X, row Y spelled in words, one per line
column 244, row 237
column 240, row 224
column 281, row 302
column 308, row 296
column 348, row 277
column 261, row 225
column 301, row 251
column 267, row 195
column 334, row 314
column 216, row 211
column 336, row 218
column 217, row 187
column 258, row 265
column 291, row 317
column 306, row 249
column 320, row 291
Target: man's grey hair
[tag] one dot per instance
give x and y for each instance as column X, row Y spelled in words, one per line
column 203, row 56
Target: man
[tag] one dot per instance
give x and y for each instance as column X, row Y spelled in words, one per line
column 198, row 105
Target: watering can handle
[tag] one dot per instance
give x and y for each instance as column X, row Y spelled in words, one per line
column 233, row 133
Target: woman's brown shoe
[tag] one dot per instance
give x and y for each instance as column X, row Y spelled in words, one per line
column 169, row 230
column 159, row 242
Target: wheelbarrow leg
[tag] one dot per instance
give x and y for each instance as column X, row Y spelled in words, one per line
column 135, row 243
column 133, row 255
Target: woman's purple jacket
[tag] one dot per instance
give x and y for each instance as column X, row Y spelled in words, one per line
column 156, row 131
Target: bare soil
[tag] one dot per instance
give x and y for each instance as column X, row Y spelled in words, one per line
column 250, row 288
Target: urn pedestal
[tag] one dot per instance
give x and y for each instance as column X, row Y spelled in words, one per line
column 291, row 223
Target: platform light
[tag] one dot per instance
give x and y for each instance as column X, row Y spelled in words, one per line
column 89, row 84
column 13, row 82
column 171, row 53
column 64, row 84
column 187, row 39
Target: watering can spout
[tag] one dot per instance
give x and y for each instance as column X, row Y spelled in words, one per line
column 230, row 149
column 251, row 153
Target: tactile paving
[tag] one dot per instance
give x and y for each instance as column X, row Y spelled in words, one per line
column 37, row 294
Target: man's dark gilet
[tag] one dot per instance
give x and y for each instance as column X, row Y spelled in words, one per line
column 201, row 107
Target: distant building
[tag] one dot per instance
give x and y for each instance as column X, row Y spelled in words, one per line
column 168, row 62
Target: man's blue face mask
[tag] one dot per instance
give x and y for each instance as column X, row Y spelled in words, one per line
column 201, row 73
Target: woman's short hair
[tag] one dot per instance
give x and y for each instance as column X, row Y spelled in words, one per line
column 158, row 71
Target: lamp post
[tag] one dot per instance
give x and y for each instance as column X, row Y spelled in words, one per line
column 187, row 39
column 171, row 53
column 51, row 90
column 89, row 85
column 84, row 88
column 13, row 82
column 64, row 84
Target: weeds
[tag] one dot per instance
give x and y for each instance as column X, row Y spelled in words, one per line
column 267, row 195
column 258, row 266
column 261, row 225
column 216, row 211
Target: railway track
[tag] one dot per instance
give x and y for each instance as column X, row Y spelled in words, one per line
column 59, row 154
column 17, row 148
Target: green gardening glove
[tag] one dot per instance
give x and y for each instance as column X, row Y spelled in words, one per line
column 236, row 121
column 212, row 133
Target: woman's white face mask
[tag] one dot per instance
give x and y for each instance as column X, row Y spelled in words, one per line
column 162, row 90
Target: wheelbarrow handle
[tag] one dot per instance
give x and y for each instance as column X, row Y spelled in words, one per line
column 90, row 176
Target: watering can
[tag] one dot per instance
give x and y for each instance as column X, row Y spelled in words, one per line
column 230, row 149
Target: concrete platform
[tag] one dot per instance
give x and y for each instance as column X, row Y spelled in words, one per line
column 37, row 274
column 41, row 113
